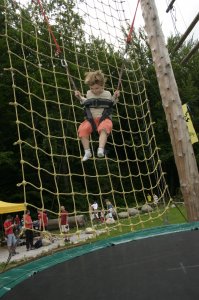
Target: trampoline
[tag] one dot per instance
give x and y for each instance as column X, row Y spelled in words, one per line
column 139, row 266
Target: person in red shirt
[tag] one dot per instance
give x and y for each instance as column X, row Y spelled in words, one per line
column 63, row 219
column 11, row 239
column 43, row 220
column 17, row 220
column 28, row 224
column 17, row 223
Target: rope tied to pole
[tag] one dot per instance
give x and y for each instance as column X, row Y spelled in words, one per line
column 58, row 51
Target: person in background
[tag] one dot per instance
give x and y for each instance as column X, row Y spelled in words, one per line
column 28, row 224
column 63, row 220
column 94, row 209
column 11, row 239
column 149, row 198
column 102, row 215
column 42, row 220
column 18, row 226
column 109, row 206
column 155, row 199
column 17, row 221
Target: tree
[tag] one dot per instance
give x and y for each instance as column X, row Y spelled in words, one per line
column 75, row 49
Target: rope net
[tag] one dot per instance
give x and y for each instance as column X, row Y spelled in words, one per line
column 50, row 47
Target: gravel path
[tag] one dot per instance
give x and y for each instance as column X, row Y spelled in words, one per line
column 23, row 254
column 57, row 242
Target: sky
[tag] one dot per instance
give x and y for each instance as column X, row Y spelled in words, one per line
column 183, row 13
column 173, row 22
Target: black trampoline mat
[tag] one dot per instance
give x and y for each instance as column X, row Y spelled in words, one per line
column 165, row 267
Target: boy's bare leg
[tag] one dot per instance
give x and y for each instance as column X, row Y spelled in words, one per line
column 85, row 142
column 102, row 143
column 86, row 146
column 102, row 139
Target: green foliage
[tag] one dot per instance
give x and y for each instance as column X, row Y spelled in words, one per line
column 68, row 30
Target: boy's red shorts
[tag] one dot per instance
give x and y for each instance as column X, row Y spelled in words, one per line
column 85, row 128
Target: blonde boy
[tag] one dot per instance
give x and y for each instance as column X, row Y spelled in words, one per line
column 96, row 82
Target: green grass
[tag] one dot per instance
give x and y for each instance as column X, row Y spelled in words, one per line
column 173, row 215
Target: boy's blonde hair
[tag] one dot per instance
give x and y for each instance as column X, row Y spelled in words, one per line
column 96, row 77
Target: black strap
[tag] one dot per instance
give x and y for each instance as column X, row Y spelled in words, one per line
column 106, row 114
column 106, row 104
column 89, row 117
column 98, row 103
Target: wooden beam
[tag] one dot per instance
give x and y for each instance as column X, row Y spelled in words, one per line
column 184, row 36
column 178, row 131
column 190, row 54
column 170, row 6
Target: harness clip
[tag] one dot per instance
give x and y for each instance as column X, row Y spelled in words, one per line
column 64, row 63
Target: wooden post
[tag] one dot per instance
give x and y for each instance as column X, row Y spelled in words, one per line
column 180, row 140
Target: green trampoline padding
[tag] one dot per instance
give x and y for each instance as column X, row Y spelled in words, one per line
column 12, row 277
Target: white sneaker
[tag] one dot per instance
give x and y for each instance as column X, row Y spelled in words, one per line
column 100, row 152
column 87, row 155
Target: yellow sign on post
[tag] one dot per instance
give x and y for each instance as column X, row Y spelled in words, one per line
column 192, row 133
